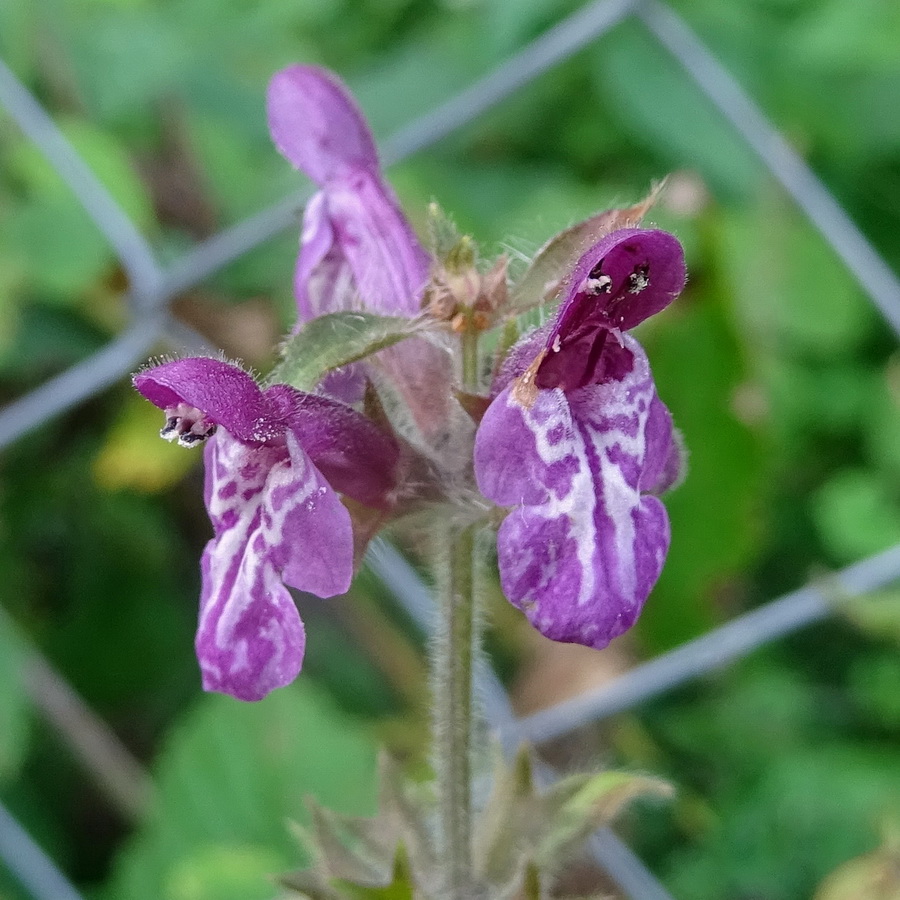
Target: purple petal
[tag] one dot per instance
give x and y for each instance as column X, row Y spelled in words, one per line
column 646, row 272
column 583, row 548
column 665, row 463
column 308, row 527
column 316, row 124
column 323, row 281
column 275, row 520
column 225, row 393
column 389, row 265
column 355, row 220
column 626, row 277
column 353, row 453
column 346, row 384
column 422, row 374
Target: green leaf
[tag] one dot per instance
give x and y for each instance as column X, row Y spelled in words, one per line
column 788, row 284
column 224, row 873
column 543, row 280
column 14, row 703
column 807, row 812
column 61, row 246
column 664, row 108
column 877, row 613
column 336, row 339
column 873, row 684
column 103, row 154
column 856, row 514
column 233, row 772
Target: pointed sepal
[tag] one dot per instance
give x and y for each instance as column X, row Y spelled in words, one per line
column 498, row 844
column 544, row 278
column 400, row 885
column 351, row 848
column 576, row 806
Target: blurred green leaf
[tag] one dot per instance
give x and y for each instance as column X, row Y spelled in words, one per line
column 64, row 251
column 840, row 37
column 225, row 872
column 881, row 425
column 874, row 680
column 238, row 177
column 654, row 97
column 877, row 613
column 126, row 58
column 778, row 836
column 17, row 20
column 104, row 156
column 231, row 774
column 857, row 513
column 788, row 285
column 14, row 702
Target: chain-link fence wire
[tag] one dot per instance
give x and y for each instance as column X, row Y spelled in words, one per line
column 151, row 289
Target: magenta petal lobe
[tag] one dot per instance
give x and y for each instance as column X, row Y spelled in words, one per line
column 389, row 265
column 275, row 520
column 225, row 393
column 323, row 281
column 308, row 528
column 583, row 547
column 316, row 124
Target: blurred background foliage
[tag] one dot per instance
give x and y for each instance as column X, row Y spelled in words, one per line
column 784, row 380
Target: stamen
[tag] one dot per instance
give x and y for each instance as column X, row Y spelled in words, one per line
column 597, row 285
column 189, row 426
column 639, row 279
column 169, row 432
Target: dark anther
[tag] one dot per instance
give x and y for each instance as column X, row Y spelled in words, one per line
column 170, row 427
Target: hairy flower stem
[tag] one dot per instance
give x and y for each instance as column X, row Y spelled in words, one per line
column 469, row 340
column 452, row 662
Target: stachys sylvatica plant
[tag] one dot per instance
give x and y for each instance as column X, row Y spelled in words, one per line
column 387, row 402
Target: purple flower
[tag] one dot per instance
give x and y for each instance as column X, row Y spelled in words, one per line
column 577, row 442
column 357, row 250
column 275, row 462
column 356, row 247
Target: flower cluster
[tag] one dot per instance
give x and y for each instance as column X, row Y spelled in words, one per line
column 569, row 439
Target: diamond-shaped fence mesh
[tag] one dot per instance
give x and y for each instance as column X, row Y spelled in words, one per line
column 152, row 288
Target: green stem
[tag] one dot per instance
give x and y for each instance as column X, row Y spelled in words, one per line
column 453, row 711
column 469, row 341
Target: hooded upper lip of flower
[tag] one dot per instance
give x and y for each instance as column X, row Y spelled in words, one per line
column 576, row 438
column 273, row 470
column 356, row 245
